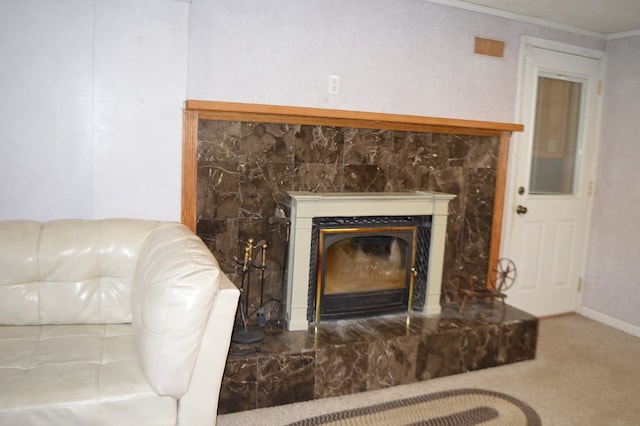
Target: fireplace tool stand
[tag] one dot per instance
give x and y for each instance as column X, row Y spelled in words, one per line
column 261, row 320
column 244, row 333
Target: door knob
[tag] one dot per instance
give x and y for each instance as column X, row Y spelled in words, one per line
column 521, row 209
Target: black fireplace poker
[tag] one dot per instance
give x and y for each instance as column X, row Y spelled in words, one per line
column 260, row 317
column 243, row 333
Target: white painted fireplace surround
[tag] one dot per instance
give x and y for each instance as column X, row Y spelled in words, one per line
column 307, row 205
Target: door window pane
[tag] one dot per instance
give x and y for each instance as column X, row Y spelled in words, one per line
column 555, row 137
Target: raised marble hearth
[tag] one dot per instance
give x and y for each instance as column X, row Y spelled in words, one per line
column 349, row 356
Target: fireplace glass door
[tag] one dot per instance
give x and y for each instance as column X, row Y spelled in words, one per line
column 364, row 271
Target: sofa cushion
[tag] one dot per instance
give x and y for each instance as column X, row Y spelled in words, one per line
column 76, row 374
column 176, row 280
column 69, row 271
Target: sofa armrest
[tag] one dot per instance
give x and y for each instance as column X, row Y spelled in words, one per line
column 199, row 405
column 176, row 283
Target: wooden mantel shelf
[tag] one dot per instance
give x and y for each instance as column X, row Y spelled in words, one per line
column 344, row 118
column 195, row 110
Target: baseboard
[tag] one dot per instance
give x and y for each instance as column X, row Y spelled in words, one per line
column 610, row 321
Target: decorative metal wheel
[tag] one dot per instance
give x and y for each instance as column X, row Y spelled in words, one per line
column 505, row 274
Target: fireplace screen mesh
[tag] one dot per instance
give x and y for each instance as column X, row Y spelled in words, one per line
column 367, row 265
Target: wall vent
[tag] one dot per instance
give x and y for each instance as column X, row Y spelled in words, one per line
column 488, row 47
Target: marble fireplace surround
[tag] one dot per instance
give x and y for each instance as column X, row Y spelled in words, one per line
column 233, row 176
column 307, row 205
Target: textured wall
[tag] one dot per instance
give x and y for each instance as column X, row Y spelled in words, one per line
column 612, row 283
column 45, row 109
column 246, row 169
column 90, row 112
column 407, row 57
column 91, row 108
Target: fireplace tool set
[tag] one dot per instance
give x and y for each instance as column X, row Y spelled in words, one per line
column 244, row 333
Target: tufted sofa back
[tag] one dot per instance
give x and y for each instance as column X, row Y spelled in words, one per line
column 69, row 271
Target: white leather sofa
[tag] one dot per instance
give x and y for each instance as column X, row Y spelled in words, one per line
column 110, row 322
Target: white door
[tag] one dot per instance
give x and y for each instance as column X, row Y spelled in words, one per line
column 552, row 179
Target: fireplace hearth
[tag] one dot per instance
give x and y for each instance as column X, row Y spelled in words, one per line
column 344, row 357
column 333, row 216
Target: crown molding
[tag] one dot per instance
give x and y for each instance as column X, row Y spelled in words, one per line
column 516, row 17
column 624, row 34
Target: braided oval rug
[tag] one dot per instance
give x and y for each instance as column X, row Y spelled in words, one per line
column 459, row 407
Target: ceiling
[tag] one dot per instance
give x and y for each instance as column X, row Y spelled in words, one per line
column 604, row 17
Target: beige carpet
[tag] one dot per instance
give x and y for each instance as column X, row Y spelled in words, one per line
column 585, row 373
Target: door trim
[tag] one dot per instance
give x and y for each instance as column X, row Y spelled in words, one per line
column 526, row 43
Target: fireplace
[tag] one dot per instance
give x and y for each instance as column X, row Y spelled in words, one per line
column 362, row 254
column 364, row 266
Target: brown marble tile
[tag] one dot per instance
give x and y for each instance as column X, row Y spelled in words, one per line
column 458, row 149
column 363, row 146
column 265, row 142
column 287, row 378
column 217, row 190
column 480, row 347
column 483, row 152
column 412, row 175
column 319, row 144
column 474, row 247
column 436, row 152
column 365, row 178
column 341, row 370
column 221, row 236
column 454, row 274
column 518, row 341
column 318, row 177
column 422, row 325
column 479, row 186
column 439, row 355
column 392, row 362
column 332, row 333
column 390, row 327
column 239, row 387
column 279, row 341
column 219, row 141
